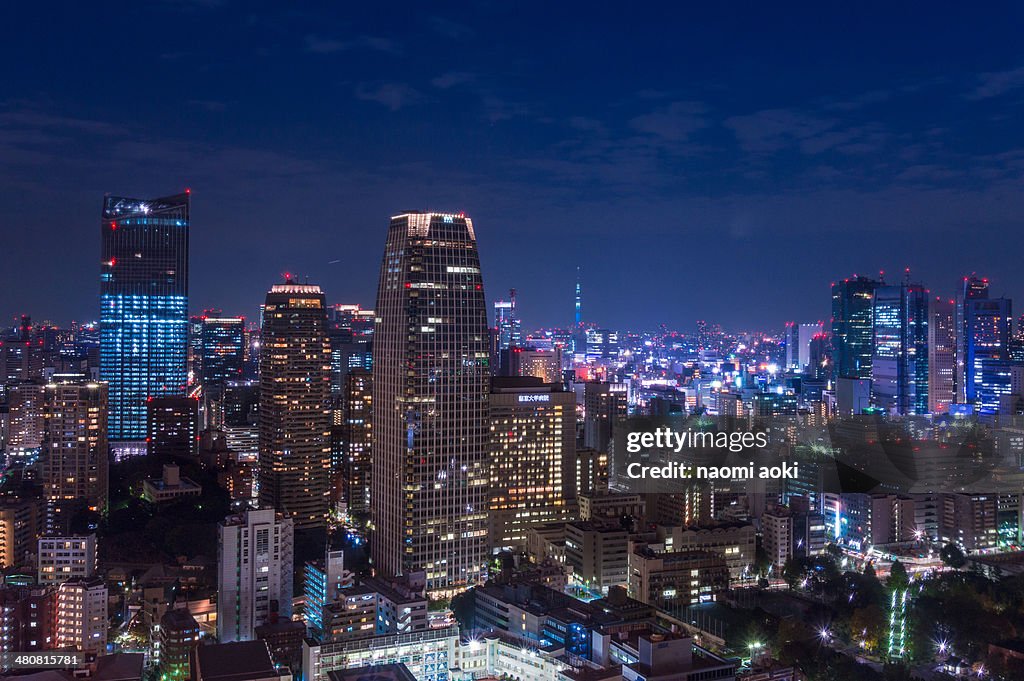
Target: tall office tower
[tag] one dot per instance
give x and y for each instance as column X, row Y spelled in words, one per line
column 508, row 332
column 971, row 288
column 295, row 427
column 82, row 615
column 222, row 347
column 899, row 367
column 194, row 358
column 356, row 440
column 172, row 426
column 64, row 558
column 73, row 458
column 431, row 375
column 806, row 334
column 941, row 355
column 533, row 452
column 987, row 323
column 144, row 310
column 603, row 405
column 791, row 339
column 222, row 359
column 254, row 572
column 351, row 333
column 853, row 326
column 241, row 418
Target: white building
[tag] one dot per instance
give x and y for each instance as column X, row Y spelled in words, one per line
column 64, row 558
column 255, row 570
column 82, row 615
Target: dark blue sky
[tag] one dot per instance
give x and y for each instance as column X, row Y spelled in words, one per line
column 722, row 164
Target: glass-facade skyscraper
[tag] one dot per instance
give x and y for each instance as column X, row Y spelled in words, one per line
column 431, row 374
column 987, row 351
column 899, row 367
column 143, row 309
column 852, row 326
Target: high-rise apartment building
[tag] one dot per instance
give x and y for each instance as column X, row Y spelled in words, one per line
column 73, row 457
column 143, row 309
column 82, row 615
column 853, row 326
column 255, row 572
column 294, row 411
column 941, row 355
column 533, row 450
column 431, row 372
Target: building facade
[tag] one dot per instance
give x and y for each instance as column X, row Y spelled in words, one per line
column 294, row 411
column 143, row 309
column 430, row 399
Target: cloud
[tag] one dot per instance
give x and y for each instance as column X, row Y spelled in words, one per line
column 497, row 109
column 369, row 43
column 674, row 123
column 997, row 83
column 452, row 79
column 774, row 129
column 392, row 95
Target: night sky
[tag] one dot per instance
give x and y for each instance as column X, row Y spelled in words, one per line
column 697, row 164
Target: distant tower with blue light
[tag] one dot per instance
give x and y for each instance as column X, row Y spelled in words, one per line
column 143, row 310
column 579, row 299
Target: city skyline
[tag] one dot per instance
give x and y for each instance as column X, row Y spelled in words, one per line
column 304, row 121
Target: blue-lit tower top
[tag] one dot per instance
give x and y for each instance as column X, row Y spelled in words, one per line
column 144, row 306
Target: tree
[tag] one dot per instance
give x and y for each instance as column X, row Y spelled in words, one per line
column 952, row 556
column 898, row 578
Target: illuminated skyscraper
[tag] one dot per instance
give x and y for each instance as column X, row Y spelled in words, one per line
column 144, row 309
column 294, row 412
column 971, row 288
column 899, row 367
column 987, row 324
column 941, row 355
column 508, row 332
column 431, row 373
column 852, row 326
column 223, row 351
column 791, row 339
column 221, row 359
